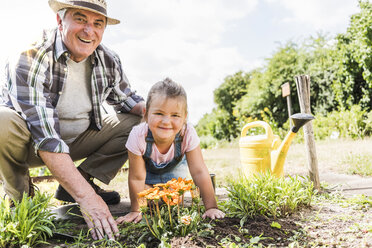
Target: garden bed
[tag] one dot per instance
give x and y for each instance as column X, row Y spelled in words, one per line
column 336, row 222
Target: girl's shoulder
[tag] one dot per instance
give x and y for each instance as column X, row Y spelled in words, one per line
column 188, row 129
column 140, row 129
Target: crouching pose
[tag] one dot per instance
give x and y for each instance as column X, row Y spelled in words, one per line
column 50, row 113
column 157, row 147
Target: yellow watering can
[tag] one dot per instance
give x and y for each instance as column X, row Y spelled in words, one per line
column 266, row 153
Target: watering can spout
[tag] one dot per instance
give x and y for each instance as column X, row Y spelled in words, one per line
column 279, row 155
column 299, row 120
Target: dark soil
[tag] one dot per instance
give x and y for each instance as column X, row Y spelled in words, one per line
column 222, row 232
column 229, row 230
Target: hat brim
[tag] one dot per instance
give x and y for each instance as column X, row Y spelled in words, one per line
column 57, row 6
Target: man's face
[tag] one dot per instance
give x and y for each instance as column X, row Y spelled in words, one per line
column 82, row 32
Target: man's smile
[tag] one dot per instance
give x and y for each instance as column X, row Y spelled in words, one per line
column 85, row 40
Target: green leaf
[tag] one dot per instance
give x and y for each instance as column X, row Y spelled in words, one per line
column 276, row 225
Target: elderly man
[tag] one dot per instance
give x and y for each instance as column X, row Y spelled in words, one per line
column 51, row 115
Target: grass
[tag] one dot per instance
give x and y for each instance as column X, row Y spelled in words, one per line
column 360, row 164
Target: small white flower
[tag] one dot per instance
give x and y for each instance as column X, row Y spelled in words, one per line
column 186, row 220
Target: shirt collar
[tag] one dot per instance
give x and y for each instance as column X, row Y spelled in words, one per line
column 59, row 47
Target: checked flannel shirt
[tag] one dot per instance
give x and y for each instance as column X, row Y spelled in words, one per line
column 35, row 80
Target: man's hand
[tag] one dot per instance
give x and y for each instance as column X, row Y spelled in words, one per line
column 93, row 208
column 98, row 218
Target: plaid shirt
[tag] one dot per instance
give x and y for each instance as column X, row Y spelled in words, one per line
column 36, row 79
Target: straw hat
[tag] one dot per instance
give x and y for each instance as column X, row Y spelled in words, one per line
column 96, row 6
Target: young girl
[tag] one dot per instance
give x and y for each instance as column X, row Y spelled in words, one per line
column 156, row 148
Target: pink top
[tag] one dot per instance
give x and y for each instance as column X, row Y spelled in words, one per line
column 137, row 144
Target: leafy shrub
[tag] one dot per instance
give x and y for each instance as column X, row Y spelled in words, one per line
column 208, row 141
column 354, row 123
column 267, row 195
column 28, row 223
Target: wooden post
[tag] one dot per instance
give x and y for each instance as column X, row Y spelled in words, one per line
column 303, row 90
column 286, row 92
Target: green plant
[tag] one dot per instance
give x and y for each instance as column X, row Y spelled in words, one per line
column 40, row 171
column 359, row 164
column 28, row 223
column 208, row 141
column 267, row 195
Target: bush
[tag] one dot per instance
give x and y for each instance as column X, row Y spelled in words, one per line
column 208, row 142
column 354, row 123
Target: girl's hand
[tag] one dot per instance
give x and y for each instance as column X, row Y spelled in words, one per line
column 131, row 217
column 214, row 213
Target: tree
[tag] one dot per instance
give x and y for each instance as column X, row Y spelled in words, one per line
column 354, row 49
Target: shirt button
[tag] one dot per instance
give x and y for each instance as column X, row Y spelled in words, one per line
column 60, row 93
column 65, row 69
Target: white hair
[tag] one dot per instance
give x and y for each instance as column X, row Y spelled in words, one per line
column 62, row 13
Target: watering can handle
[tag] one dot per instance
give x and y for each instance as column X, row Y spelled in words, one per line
column 268, row 130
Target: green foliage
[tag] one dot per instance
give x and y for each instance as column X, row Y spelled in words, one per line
column 267, row 195
column 84, row 241
column 218, row 124
column 208, row 142
column 340, row 71
column 28, row 223
column 40, row 171
column 354, row 48
column 354, row 123
column 233, row 88
column 359, row 164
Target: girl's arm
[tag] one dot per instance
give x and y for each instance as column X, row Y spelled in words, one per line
column 136, row 183
column 201, row 177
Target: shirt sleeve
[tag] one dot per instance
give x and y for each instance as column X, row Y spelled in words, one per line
column 28, row 80
column 191, row 139
column 136, row 142
column 122, row 97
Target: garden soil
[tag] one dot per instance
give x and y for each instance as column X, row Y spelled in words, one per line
column 326, row 225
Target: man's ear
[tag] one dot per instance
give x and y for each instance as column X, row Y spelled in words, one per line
column 59, row 22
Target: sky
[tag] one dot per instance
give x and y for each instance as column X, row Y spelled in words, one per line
column 197, row 43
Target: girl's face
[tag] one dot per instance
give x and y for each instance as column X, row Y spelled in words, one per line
column 166, row 117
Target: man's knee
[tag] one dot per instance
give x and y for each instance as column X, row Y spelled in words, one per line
column 12, row 126
column 123, row 122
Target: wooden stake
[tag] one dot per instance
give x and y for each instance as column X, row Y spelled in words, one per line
column 303, row 90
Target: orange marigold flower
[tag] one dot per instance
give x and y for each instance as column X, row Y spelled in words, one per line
column 169, row 196
column 153, row 194
column 146, row 192
column 161, row 185
column 189, row 181
column 142, row 201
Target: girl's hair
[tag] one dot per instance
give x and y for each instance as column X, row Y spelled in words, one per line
column 168, row 88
